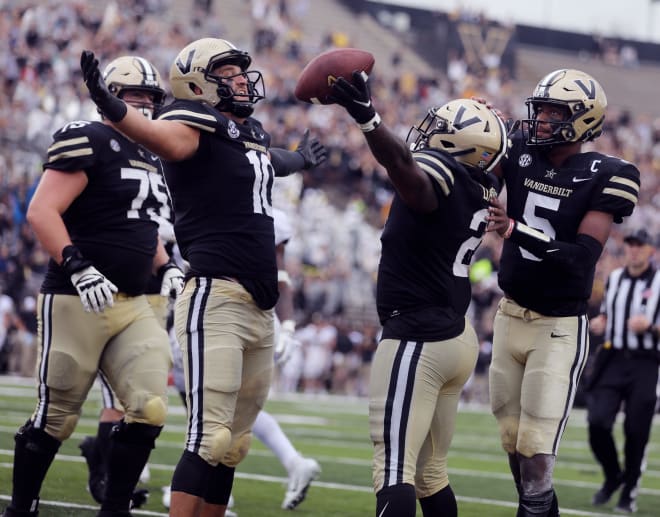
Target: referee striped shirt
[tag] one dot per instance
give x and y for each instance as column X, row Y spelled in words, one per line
column 626, row 296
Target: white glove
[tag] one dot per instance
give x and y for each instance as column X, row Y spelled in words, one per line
column 172, row 283
column 95, row 290
column 285, row 344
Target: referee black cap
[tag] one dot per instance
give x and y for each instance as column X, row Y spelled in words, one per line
column 640, row 236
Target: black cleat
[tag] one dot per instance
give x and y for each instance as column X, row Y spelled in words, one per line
column 626, row 504
column 97, row 479
column 139, row 498
column 606, row 491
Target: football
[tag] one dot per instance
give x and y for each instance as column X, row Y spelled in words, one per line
column 315, row 80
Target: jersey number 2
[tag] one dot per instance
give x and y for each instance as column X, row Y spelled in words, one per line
column 461, row 267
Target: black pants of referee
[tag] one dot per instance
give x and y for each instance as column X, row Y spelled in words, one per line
column 630, row 379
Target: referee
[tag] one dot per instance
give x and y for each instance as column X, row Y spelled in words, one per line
column 626, row 369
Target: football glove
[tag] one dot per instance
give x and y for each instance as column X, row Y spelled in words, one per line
column 112, row 108
column 94, row 289
column 172, row 283
column 312, row 151
column 286, row 342
column 356, row 99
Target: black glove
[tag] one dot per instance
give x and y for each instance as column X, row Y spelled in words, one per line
column 312, row 151
column 112, row 108
column 356, row 98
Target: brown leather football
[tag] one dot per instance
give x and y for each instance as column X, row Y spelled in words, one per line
column 315, row 80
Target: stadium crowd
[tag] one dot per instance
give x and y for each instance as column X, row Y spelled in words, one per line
column 338, row 209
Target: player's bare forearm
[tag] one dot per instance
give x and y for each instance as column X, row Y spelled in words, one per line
column 413, row 185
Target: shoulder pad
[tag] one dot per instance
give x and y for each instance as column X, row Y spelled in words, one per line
column 439, row 166
column 192, row 113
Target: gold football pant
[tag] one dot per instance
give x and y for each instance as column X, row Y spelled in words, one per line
column 414, row 391
column 227, row 346
column 160, row 305
column 125, row 342
column 534, row 373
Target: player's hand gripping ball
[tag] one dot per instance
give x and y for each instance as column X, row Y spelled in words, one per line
column 316, row 79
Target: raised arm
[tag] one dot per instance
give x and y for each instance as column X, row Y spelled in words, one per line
column 412, row 184
column 172, row 141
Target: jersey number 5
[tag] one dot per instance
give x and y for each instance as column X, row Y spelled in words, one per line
column 534, row 200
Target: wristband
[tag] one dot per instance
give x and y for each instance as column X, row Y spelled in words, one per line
column 72, row 260
column 170, row 264
column 114, row 109
column 283, row 276
column 372, row 124
column 509, row 230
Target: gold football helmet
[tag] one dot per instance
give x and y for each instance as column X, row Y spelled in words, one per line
column 135, row 73
column 584, row 98
column 469, row 131
column 191, row 76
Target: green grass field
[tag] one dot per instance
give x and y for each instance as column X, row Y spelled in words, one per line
column 335, row 432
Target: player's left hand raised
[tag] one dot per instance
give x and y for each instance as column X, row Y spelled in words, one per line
column 313, row 152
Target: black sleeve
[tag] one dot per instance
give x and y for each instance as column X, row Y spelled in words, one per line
column 285, row 162
column 580, row 255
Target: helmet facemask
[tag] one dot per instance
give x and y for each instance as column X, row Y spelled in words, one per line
column 576, row 93
column 192, row 76
column 241, row 105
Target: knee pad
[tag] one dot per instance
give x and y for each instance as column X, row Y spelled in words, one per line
column 67, row 427
column 509, row 433
column 147, row 408
column 64, row 372
column 220, row 443
column 238, row 450
column 530, row 442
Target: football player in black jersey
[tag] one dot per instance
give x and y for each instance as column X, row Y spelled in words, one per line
column 219, row 168
column 160, row 296
column 428, row 348
column 561, row 203
column 92, row 212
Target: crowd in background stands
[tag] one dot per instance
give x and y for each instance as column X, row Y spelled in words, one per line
column 337, row 210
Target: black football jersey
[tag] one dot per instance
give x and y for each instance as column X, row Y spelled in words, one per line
column 112, row 221
column 554, row 201
column 223, row 218
column 423, row 289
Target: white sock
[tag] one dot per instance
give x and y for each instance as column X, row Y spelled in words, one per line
column 269, row 432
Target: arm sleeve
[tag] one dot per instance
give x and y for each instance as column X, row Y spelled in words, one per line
column 285, row 162
column 580, row 255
